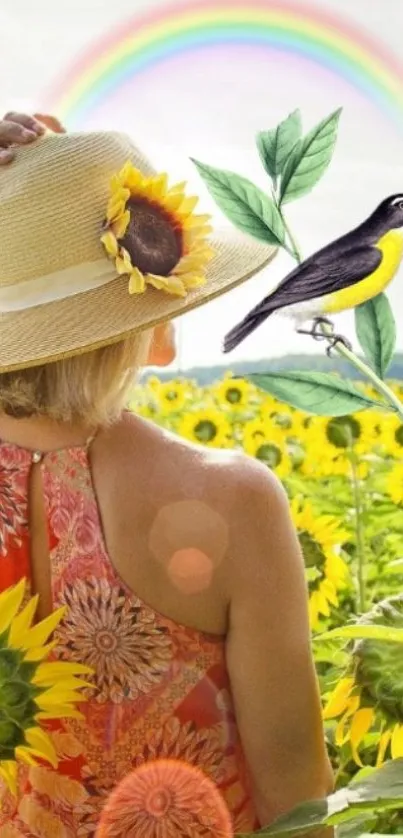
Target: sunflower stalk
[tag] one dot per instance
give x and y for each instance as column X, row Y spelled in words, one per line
column 359, row 530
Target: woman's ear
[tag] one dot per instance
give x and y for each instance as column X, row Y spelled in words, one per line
column 163, row 346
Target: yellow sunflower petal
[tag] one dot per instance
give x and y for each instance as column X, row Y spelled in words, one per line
column 173, row 202
column 158, row 186
column 115, row 209
column 170, row 284
column 195, row 280
column 120, row 226
column 64, row 711
column 360, row 725
column 39, row 634
column 383, row 746
column 54, row 670
column 10, row 603
column 198, row 221
column 123, row 262
column 338, row 700
column 396, row 745
column 178, row 188
column 8, row 772
column 110, row 243
column 23, row 754
column 22, row 622
column 39, row 741
column 341, row 733
column 56, row 696
column 39, row 654
column 137, row 283
column 187, row 206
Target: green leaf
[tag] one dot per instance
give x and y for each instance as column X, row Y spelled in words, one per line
column 309, row 159
column 376, row 331
column 276, row 146
column 244, row 204
column 363, row 632
column 380, row 791
column 321, row 393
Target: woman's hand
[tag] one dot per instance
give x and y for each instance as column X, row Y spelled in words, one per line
column 19, row 129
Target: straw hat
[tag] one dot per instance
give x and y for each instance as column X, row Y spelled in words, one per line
column 95, row 246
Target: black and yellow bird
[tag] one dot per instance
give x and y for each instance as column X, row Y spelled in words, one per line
column 347, row 272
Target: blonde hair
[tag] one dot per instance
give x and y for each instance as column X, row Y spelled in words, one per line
column 93, row 387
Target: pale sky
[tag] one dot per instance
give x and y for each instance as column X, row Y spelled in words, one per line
column 210, row 104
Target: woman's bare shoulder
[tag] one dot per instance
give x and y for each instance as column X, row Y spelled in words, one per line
column 229, row 478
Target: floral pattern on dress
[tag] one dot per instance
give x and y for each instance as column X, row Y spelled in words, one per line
column 161, row 689
column 115, row 636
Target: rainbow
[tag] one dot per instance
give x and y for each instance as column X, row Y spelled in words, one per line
column 144, row 41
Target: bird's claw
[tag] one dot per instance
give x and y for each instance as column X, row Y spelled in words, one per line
column 334, row 340
column 317, row 334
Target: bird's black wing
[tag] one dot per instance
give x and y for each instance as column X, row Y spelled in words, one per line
column 323, row 273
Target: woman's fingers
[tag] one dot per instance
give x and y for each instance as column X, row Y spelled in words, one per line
column 26, row 121
column 6, row 156
column 51, row 122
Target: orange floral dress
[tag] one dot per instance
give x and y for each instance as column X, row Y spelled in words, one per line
column 161, row 690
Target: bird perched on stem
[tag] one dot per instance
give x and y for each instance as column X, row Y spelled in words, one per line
column 344, row 274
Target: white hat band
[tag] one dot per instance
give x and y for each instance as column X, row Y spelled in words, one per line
column 56, row 286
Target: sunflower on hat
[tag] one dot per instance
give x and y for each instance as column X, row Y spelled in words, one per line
column 153, row 235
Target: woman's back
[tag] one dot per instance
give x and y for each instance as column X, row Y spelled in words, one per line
column 131, row 525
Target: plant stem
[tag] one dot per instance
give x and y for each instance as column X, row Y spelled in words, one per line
column 362, row 367
column 359, row 531
column 295, row 250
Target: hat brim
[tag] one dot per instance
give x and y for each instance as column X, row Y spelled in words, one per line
column 96, row 318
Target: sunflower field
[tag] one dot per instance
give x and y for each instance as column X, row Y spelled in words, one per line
column 344, row 479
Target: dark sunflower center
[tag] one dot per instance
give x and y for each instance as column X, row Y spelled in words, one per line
column 342, row 431
column 399, row 435
column 205, row 430
column 269, row 454
column 233, row 395
column 152, row 241
column 171, row 396
column 313, row 553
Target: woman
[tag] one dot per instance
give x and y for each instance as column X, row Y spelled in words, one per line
column 179, row 566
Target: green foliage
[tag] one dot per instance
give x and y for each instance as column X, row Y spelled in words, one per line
column 379, row 791
column 275, row 146
column 376, row 331
column 244, row 204
column 320, row 393
column 309, row 159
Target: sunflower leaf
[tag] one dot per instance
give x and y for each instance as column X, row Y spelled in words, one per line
column 243, row 203
column 320, row 393
column 363, row 632
column 309, row 159
column 376, row 331
column 275, row 146
column 380, row 791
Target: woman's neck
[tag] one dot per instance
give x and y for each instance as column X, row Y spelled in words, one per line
column 43, row 434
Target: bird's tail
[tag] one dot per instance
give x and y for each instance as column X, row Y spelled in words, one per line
column 252, row 320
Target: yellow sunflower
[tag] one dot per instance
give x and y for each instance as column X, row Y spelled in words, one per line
column 329, row 441
column 320, row 537
column 233, row 393
column 153, row 235
column 31, row 689
column 265, row 441
column 392, row 436
column 394, row 484
column 206, row 426
column 370, row 695
column 171, row 395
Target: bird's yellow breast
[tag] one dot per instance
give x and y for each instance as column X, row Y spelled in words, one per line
column 391, row 247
